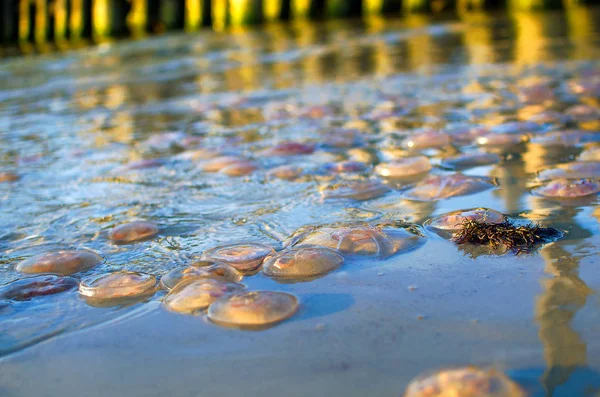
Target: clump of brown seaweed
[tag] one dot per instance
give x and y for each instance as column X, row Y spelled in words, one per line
column 507, row 235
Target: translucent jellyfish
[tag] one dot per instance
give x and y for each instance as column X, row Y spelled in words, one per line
column 515, row 127
column 198, row 154
column 144, row 164
column 575, row 170
column 444, row 186
column 345, row 167
column 464, row 134
column 363, row 190
column 240, row 168
column 7, row 176
column 116, row 288
column 583, row 113
column 286, row 172
column 591, row 154
column 289, row 149
column 32, row 287
column 564, row 188
column 256, row 309
column 60, row 262
column 500, row 140
column 404, row 167
column 132, row 232
column 465, row 161
column 192, row 296
column 454, row 220
column 464, row 382
column 342, row 138
column 219, row 271
column 218, row 163
column 245, row 257
column 382, row 240
column 302, row 263
column 426, row 140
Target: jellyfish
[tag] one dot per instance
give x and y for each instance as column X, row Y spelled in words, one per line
column 240, row 168
column 465, row 134
column 469, row 160
column 132, row 232
column 342, row 138
column 583, row 113
column 289, row 149
column 452, row 221
column 500, row 140
column 63, row 262
column 285, row 172
column 360, row 191
column 116, row 288
column 444, row 186
column 464, row 382
column 219, row 163
column 426, row 140
column 31, row 287
column 404, row 167
column 245, row 257
column 574, row 170
column 8, row 176
column 515, row 127
column 591, row 154
column 302, row 263
column 381, row 240
column 194, row 295
column 218, row 271
column 343, row 167
column 255, row 309
column 565, row 189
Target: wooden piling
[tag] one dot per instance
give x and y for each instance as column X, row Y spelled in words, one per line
column 192, row 15
column 300, row 8
column 137, row 17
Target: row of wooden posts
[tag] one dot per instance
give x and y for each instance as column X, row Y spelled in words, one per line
column 39, row 21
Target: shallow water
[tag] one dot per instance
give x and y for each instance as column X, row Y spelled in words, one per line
column 71, row 125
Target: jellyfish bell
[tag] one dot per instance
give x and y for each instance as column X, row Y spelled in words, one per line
column 426, row 140
column 253, row 309
column 464, row 382
column 453, row 221
column 245, row 257
column 240, row 168
column 567, row 189
column 343, row 167
column 469, row 160
column 404, row 167
column 289, row 149
column 8, row 176
column 381, row 240
column 302, row 263
column 32, row 287
column 63, row 262
column 117, row 288
column 445, row 186
column 133, row 232
column 194, row 295
column 500, row 141
column 342, row 138
column 218, row 271
column 574, row 170
column 217, row 164
column 285, row 172
column 360, row 191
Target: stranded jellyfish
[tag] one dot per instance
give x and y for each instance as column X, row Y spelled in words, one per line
column 563, row 188
column 381, row 240
column 464, row 161
column 239, row 168
column 500, row 140
column 342, row 138
column 464, row 382
column 302, row 263
column 575, row 170
column 245, row 257
column 254, row 309
column 591, row 154
column 426, row 140
column 343, row 167
column 454, row 220
column 286, row 172
column 404, row 167
column 116, row 288
column 134, row 231
column 444, row 186
column 28, row 288
column 192, row 296
column 289, row 149
column 60, row 262
column 8, row 176
column 364, row 190
column 219, row 271
column 219, row 163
